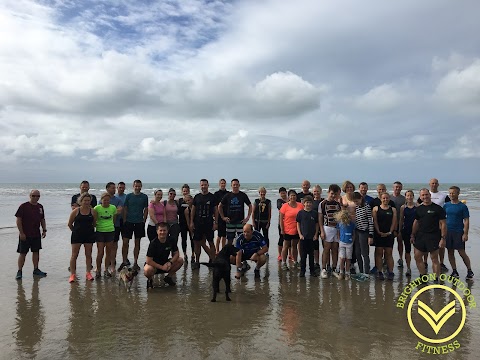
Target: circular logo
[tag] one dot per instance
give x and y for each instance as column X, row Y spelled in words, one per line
column 436, row 320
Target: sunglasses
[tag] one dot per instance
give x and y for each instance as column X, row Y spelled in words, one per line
column 35, row 196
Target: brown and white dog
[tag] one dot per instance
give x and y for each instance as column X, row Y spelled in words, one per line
column 127, row 275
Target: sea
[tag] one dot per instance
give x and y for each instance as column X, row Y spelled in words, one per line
column 279, row 316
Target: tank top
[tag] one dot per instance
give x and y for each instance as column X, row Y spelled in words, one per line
column 408, row 218
column 158, row 209
column 384, row 220
column 83, row 224
column 262, row 210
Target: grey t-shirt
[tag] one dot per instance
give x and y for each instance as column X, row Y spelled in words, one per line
column 399, row 201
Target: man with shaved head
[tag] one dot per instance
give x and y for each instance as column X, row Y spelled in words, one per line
column 30, row 216
column 439, row 198
column 305, row 191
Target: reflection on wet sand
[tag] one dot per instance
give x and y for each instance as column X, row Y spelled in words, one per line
column 30, row 321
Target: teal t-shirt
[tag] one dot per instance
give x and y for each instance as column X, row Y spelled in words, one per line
column 135, row 205
column 105, row 218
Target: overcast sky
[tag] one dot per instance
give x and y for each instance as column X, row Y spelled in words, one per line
column 266, row 91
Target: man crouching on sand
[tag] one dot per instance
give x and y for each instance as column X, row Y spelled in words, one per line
column 158, row 260
column 251, row 245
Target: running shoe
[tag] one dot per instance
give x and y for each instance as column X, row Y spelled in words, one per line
column 195, row 265
column 136, row 267
column 324, row 274
column 122, row 265
column 400, row 263
column 40, row 273
column 329, row 269
column 290, row 258
column 169, row 280
column 89, row 276
column 257, row 273
column 296, row 264
column 302, row 274
column 390, row 276
column 72, row 278
column 408, row 272
column 347, row 276
column 279, row 258
column 285, row 267
column 338, row 275
column 426, row 266
column 455, row 273
column 380, row 275
column 443, row 268
column 98, row 275
column 374, row 270
column 469, row 275
column 128, row 262
column 19, row 275
column 267, row 255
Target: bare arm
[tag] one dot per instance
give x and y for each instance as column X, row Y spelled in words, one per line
column 393, row 227
column 466, row 227
column 299, row 231
column 269, row 215
column 43, row 224
column 164, row 267
column 375, row 223
column 20, row 228
column 192, row 216
column 320, row 225
column 72, row 218
column 151, row 214
column 125, row 212
column 414, row 231
column 282, row 230
column 248, row 215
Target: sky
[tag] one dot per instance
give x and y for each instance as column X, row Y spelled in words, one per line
column 264, row 91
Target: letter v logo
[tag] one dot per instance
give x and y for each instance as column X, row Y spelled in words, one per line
column 436, row 320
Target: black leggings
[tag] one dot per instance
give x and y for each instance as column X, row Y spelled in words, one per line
column 262, row 226
column 185, row 232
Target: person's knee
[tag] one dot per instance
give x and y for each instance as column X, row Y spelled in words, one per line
column 148, row 270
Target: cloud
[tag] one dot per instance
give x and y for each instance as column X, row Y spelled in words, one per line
column 378, row 153
column 465, row 147
column 459, row 90
column 380, row 99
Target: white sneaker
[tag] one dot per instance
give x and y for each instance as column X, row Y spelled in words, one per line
column 324, row 274
column 338, row 275
column 347, row 276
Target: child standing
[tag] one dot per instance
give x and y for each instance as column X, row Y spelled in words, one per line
column 346, row 229
column 307, row 226
column 262, row 214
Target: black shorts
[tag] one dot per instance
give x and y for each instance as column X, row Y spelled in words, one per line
column 117, row 233
column 30, row 243
column 222, row 228
column 406, row 241
column 384, row 242
column 288, row 237
column 427, row 242
column 454, row 240
column 135, row 229
column 247, row 256
column 151, row 232
column 104, row 236
column 83, row 237
column 203, row 231
column 159, row 271
column 316, row 245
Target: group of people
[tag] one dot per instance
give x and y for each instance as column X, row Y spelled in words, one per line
column 346, row 226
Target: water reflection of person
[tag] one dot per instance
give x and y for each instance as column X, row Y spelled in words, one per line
column 30, row 320
column 81, row 309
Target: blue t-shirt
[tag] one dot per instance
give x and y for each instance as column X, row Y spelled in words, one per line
column 308, row 221
column 250, row 247
column 369, row 200
column 346, row 232
column 117, row 203
column 135, row 205
column 456, row 213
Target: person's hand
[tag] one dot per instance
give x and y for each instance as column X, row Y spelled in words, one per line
column 370, row 241
column 268, row 225
column 167, row 266
column 322, row 236
column 44, row 233
column 442, row 243
column 23, row 237
column 226, row 219
column 465, row 237
column 244, row 221
column 302, row 237
column 412, row 239
column 315, row 237
column 215, row 226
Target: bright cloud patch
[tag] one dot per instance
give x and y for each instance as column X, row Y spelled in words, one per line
column 379, row 99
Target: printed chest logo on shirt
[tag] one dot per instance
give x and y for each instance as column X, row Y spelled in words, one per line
column 235, row 201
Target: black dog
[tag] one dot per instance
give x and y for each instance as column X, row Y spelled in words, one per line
column 221, row 270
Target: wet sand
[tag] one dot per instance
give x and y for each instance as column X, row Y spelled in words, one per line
column 280, row 316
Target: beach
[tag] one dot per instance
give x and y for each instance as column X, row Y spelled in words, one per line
column 279, row 316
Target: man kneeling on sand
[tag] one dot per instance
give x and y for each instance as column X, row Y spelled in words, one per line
column 251, row 245
column 158, row 257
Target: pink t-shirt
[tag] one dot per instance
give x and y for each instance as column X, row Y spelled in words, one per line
column 172, row 213
column 159, row 209
column 290, row 218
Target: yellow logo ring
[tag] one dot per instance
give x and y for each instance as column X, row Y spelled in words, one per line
column 436, row 341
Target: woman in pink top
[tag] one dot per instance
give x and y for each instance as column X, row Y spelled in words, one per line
column 156, row 214
column 171, row 214
column 288, row 227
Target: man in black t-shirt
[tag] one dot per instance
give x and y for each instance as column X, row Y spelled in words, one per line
column 232, row 210
column 158, row 257
column 221, row 225
column 203, row 221
column 84, row 187
column 428, row 232
column 305, row 191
